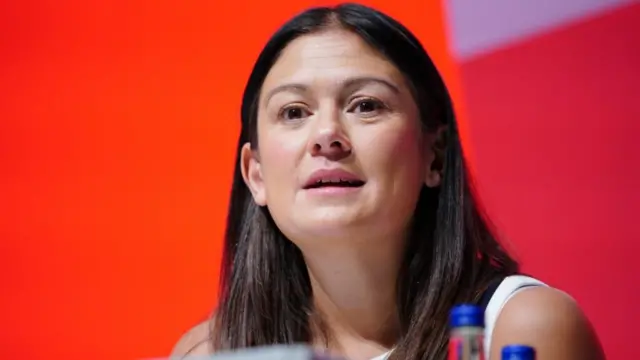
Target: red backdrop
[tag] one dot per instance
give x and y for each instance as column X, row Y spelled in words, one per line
column 117, row 128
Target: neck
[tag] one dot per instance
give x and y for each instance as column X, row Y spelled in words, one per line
column 354, row 291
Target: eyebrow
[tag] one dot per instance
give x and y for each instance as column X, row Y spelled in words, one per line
column 350, row 83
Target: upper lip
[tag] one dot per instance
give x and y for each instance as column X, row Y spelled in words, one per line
column 332, row 176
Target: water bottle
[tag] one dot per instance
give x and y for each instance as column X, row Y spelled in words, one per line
column 466, row 340
column 518, row 352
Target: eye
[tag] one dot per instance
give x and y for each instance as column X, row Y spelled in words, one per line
column 293, row 112
column 367, row 106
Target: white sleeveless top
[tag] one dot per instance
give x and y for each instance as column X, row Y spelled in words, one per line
column 507, row 288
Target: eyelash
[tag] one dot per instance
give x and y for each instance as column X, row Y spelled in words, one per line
column 379, row 105
column 283, row 112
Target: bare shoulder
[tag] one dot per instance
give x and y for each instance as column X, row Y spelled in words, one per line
column 193, row 342
column 550, row 321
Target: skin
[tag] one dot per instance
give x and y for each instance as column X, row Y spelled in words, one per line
column 331, row 101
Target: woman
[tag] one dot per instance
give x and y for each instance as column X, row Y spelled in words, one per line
column 352, row 225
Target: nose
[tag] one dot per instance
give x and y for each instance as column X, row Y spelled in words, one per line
column 329, row 139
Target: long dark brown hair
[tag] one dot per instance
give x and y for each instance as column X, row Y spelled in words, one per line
column 451, row 257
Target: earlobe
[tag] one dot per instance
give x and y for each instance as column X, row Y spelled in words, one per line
column 252, row 174
column 433, row 178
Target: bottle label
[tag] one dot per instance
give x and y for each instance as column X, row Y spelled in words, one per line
column 466, row 348
column 455, row 349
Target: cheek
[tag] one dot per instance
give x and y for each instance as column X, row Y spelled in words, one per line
column 395, row 162
column 398, row 153
column 279, row 156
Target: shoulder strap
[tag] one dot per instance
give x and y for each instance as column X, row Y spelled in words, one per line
column 489, row 291
column 508, row 287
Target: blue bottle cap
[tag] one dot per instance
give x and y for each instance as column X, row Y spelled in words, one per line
column 518, row 352
column 466, row 315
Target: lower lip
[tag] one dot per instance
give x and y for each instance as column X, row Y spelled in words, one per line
column 334, row 190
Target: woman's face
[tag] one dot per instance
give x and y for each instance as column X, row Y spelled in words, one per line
column 341, row 153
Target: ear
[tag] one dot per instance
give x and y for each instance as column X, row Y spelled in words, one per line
column 435, row 145
column 252, row 174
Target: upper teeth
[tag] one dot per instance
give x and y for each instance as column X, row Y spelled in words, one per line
column 335, row 181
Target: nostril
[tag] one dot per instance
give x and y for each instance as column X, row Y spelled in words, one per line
column 334, row 148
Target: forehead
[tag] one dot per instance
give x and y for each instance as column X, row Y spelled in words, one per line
column 329, row 57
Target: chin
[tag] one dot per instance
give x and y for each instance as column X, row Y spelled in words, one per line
column 347, row 216
column 332, row 225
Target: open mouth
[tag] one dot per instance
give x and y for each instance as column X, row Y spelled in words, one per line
column 341, row 183
column 333, row 180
